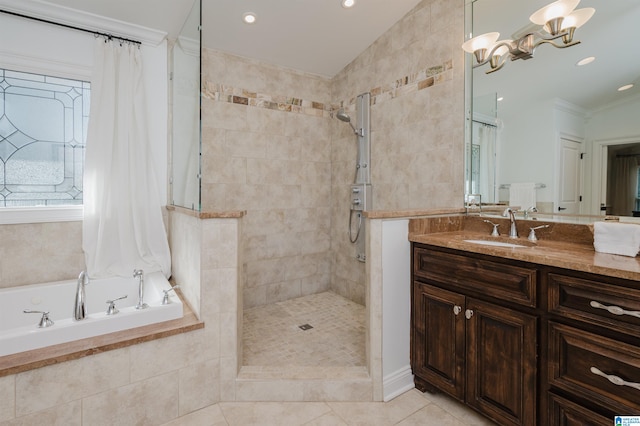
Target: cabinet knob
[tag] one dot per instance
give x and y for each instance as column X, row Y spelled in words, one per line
column 457, row 309
column 468, row 313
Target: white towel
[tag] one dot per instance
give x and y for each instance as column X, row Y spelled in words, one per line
column 522, row 195
column 616, row 238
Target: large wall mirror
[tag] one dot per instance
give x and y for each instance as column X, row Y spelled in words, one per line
column 547, row 123
column 185, row 134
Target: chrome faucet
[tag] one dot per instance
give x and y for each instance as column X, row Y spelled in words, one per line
column 80, row 309
column 531, row 209
column 139, row 274
column 513, row 230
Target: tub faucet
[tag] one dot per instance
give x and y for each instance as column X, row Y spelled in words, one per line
column 139, row 274
column 80, row 309
column 513, row 230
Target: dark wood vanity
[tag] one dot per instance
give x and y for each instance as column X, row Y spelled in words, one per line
column 521, row 339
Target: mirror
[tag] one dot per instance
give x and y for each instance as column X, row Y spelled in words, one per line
column 185, row 134
column 549, row 124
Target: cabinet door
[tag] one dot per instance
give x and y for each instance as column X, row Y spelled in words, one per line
column 501, row 363
column 437, row 345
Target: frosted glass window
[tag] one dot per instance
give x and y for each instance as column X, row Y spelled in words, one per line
column 43, row 130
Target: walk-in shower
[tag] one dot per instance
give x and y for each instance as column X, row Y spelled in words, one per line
column 361, row 187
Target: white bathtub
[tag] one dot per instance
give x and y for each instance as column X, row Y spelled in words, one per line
column 19, row 331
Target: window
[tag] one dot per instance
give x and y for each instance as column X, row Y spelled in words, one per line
column 43, row 129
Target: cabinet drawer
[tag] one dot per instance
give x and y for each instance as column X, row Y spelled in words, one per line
column 598, row 303
column 589, row 366
column 484, row 277
column 566, row 413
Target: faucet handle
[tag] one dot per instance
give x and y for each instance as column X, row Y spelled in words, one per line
column 165, row 299
column 532, row 233
column 111, row 309
column 495, row 232
column 44, row 321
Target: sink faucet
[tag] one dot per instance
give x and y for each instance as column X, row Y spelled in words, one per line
column 531, row 209
column 139, row 274
column 80, row 309
column 513, row 230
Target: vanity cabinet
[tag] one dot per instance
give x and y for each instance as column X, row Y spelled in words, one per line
column 594, row 343
column 474, row 332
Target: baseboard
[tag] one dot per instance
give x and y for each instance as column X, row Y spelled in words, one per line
column 397, row 383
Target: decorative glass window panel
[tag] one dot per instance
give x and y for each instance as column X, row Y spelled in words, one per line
column 43, row 130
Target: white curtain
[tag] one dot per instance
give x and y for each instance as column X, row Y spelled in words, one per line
column 122, row 228
column 624, row 186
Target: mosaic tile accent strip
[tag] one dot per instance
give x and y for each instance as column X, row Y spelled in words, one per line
column 412, row 83
column 272, row 335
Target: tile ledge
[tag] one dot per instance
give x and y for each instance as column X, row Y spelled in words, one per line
column 223, row 214
column 50, row 355
column 251, row 373
column 397, row 214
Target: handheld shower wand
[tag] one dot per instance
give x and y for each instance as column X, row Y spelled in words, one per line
column 343, row 116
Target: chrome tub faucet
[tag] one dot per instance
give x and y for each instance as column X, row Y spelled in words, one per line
column 139, row 274
column 80, row 308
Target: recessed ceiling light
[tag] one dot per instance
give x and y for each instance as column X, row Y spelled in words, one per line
column 625, row 87
column 348, row 3
column 586, row 61
column 249, row 18
column 500, row 98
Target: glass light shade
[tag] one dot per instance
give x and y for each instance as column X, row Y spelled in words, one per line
column 578, row 18
column 557, row 9
column 484, row 41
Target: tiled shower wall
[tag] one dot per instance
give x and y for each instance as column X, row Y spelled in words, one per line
column 415, row 74
column 266, row 150
column 271, row 147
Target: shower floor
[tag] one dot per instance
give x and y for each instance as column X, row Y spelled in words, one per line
column 272, row 335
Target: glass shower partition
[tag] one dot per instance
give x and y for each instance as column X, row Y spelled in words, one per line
column 185, row 113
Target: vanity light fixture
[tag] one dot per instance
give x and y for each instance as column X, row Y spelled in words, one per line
column 348, row 3
column 557, row 20
column 249, row 18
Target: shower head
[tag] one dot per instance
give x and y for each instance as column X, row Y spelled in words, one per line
column 343, row 116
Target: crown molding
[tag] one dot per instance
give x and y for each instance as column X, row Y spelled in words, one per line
column 88, row 21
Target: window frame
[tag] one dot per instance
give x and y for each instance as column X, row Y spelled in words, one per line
column 43, row 214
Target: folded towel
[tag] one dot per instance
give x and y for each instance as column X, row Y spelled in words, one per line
column 616, row 238
column 522, row 195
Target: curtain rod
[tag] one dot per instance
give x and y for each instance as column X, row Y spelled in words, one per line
column 96, row 33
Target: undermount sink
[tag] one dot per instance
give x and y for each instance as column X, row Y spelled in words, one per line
column 494, row 243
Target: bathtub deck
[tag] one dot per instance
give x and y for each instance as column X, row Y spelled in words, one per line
column 30, row 360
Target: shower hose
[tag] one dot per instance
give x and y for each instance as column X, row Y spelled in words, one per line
column 351, row 238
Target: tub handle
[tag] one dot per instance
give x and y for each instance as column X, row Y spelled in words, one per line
column 165, row 299
column 111, row 309
column 44, row 321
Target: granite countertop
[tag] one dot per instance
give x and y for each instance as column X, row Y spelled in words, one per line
column 562, row 254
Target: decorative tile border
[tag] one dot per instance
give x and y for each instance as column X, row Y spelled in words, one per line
column 412, row 83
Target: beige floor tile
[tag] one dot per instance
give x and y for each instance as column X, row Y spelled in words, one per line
column 377, row 413
column 455, row 408
column 431, row 415
column 272, row 413
column 209, row 416
column 329, row 419
column 272, row 335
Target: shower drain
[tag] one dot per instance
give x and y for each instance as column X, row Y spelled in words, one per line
column 305, row 327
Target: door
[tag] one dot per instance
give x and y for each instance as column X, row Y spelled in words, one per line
column 501, row 363
column 570, row 182
column 437, row 341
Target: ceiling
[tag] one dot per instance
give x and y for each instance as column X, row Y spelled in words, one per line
column 315, row 36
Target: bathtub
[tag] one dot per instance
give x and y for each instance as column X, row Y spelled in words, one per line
column 19, row 331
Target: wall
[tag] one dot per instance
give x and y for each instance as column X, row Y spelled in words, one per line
column 266, row 150
column 415, row 75
column 37, row 47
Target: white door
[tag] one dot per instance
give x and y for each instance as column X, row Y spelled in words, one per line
column 569, row 195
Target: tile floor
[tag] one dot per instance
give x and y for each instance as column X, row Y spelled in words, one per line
column 272, row 335
column 410, row 408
